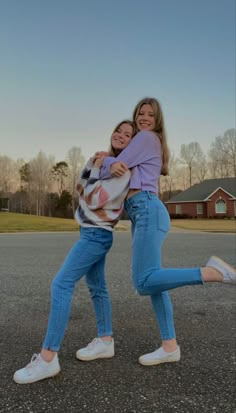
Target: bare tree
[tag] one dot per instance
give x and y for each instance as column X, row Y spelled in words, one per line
column 9, row 177
column 219, row 164
column 191, row 155
column 230, row 147
column 39, row 181
column 222, row 154
column 201, row 170
column 75, row 160
column 168, row 183
column 213, row 163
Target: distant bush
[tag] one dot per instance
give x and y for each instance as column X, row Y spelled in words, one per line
column 219, row 217
column 179, row 216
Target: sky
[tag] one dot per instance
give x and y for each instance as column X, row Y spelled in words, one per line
column 70, row 70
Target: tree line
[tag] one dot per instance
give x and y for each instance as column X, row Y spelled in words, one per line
column 41, row 186
column 45, row 187
column 193, row 165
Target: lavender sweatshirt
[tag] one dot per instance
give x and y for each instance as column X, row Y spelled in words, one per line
column 144, row 156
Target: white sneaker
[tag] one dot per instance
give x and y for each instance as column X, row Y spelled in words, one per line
column 228, row 272
column 159, row 356
column 37, row 369
column 97, row 349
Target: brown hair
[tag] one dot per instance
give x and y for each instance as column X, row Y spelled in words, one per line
column 111, row 150
column 159, row 128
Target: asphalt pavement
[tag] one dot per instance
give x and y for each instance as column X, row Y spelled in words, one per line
column 203, row 381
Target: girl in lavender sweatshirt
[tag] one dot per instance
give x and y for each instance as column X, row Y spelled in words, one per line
column 148, row 156
column 100, row 207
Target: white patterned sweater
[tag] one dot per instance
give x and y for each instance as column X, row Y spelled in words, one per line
column 101, row 202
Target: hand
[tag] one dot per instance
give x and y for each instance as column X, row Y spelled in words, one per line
column 99, row 155
column 98, row 162
column 118, row 168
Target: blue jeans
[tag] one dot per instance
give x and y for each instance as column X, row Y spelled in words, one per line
column 86, row 257
column 150, row 225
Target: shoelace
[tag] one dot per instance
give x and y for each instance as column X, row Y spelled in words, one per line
column 34, row 360
column 93, row 343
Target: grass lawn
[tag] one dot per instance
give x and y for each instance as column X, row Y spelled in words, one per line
column 11, row 222
column 208, row 225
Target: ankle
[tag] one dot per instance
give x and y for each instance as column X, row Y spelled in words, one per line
column 210, row 274
column 169, row 345
column 106, row 338
column 47, row 355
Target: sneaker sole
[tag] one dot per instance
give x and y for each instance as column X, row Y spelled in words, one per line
column 98, row 356
column 224, row 264
column 19, row 381
column 157, row 361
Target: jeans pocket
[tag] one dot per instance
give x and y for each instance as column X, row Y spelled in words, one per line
column 138, row 207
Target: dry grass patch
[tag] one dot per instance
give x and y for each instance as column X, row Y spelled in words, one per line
column 208, row 225
column 11, row 222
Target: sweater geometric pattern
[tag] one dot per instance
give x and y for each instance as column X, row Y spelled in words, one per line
column 101, row 202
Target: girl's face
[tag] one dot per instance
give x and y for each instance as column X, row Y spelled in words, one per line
column 146, row 119
column 122, row 136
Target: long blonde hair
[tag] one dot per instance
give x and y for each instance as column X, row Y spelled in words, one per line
column 159, row 128
column 111, row 150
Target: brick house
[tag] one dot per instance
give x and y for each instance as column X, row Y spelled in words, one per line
column 212, row 198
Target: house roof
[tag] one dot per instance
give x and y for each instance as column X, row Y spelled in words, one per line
column 204, row 189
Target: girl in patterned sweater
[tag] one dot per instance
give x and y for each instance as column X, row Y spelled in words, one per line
column 100, row 207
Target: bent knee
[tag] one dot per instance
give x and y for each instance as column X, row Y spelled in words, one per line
column 54, row 285
column 57, row 284
column 140, row 289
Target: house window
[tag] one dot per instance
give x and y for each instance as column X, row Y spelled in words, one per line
column 220, row 206
column 199, row 209
column 178, row 209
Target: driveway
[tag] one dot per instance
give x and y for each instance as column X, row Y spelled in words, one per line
column 204, row 379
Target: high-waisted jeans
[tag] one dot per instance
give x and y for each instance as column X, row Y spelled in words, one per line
column 86, row 257
column 150, row 225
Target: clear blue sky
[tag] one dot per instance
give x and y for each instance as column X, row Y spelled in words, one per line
column 71, row 69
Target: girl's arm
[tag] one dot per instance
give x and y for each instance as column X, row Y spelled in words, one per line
column 142, row 147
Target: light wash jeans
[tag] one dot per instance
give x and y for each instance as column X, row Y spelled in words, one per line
column 86, row 257
column 150, row 225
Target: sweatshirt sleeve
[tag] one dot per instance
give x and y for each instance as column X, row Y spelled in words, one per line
column 142, row 147
column 84, row 176
column 85, row 173
column 98, row 193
